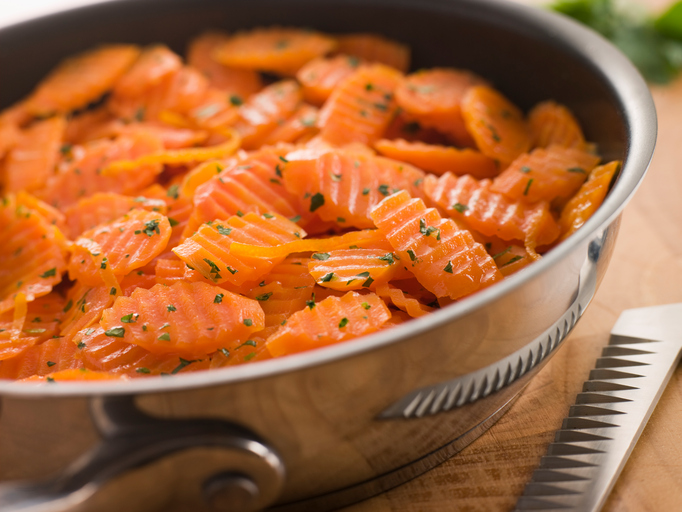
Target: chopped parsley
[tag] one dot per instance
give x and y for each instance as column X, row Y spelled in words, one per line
column 183, row 363
column 316, row 201
column 264, row 296
column 236, row 100
column 383, row 190
column 448, row 267
column 223, row 230
column 215, row 270
column 343, row 323
column 388, row 257
column 152, row 227
column 322, row 256
column 115, row 332
column 49, row 273
column 461, row 208
column 171, row 308
column 143, row 370
column 164, row 337
column 412, row 255
column 130, row 319
column 327, row 277
column 366, row 305
column 51, row 363
column 248, row 322
column 218, row 298
column 525, row 191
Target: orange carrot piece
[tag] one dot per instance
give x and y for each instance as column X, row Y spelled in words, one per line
column 444, row 258
column 266, row 110
column 496, row 124
column 439, row 159
column 122, row 245
column 90, row 125
column 188, row 319
column 399, row 299
column 361, row 107
column 279, row 302
column 74, row 374
column 169, row 271
column 81, row 79
column 171, row 137
column 376, row 49
column 46, row 358
column 153, row 64
column 329, row 321
column 512, row 258
column 33, row 259
column 546, row 174
column 344, row 187
column 208, row 250
column 103, row 207
column 551, row 123
column 434, row 98
column 586, row 201
column 32, row 161
column 405, row 126
column 353, row 269
column 321, row 76
column 301, row 124
column 83, row 309
column 50, row 214
column 198, row 176
column 491, row 213
column 240, row 83
column 277, row 50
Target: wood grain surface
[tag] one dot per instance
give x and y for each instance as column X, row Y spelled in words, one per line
column 646, row 270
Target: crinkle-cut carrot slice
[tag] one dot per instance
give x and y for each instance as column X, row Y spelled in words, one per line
column 301, row 124
column 329, row 321
column 398, row 317
column 376, row 49
column 344, row 187
column 546, row 174
column 551, row 123
column 253, row 184
column 241, row 83
column 50, row 356
column 321, row 76
column 81, row 79
column 171, row 137
column 399, row 299
column 275, row 49
column 12, row 339
column 169, row 271
column 444, row 258
column 361, row 107
column 37, row 324
column 412, row 287
column 103, row 207
column 122, row 245
column 153, row 65
column 198, row 176
column 90, row 125
column 83, row 309
column 137, row 279
column 492, row 213
column 33, row 257
column 74, row 374
column 348, row 240
column 82, row 176
column 279, row 302
column 510, row 258
column 439, row 159
column 174, row 156
column 404, row 126
column 34, row 157
column 586, row 201
column 292, row 273
column 103, row 353
column 265, row 110
column 216, row 111
column 208, row 250
column 496, row 124
column 188, row 319
column 434, row 98
column 50, row 214
column 353, row 269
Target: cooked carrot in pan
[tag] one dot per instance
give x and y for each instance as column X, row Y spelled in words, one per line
column 277, row 191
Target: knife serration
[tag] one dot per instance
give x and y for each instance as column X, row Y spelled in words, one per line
column 602, row 428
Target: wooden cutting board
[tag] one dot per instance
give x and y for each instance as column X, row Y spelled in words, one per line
column 646, row 270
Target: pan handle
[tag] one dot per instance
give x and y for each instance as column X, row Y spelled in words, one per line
column 210, row 465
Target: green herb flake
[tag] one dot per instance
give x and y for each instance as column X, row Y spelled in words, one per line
column 152, row 227
column 525, row 169
column 49, row 273
column 316, row 201
column 215, row 270
column 80, row 345
column 311, row 303
column 171, row 308
column 343, row 323
column 231, row 270
column 327, row 277
column 512, row 260
column 366, row 305
column 51, row 364
column 164, row 337
column 34, row 331
column 113, row 291
column 335, row 177
column 502, row 253
column 143, row 370
column 49, row 379
column 295, row 219
column 173, row 222
column 388, row 257
column 236, row 100
column 68, row 306
column 365, row 191
column 248, row 322
column 577, row 170
column 268, row 216
column 412, row 255
column 115, row 332
column 322, row 256
column 130, row 319
column 384, row 190
column 461, row 208
column 250, row 356
column 368, row 282
column 218, row 298
column 90, row 331
column 183, row 363
column 264, row 296
column 525, row 191
column 223, row 230
column 448, row 267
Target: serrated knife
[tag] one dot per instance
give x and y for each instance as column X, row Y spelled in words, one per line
column 604, row 424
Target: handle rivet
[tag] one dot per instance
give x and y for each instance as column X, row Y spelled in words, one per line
column 233, row 492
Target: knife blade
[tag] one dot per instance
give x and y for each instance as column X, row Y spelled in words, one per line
column 602, row 427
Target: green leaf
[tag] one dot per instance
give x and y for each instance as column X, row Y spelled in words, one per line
column 669, row 23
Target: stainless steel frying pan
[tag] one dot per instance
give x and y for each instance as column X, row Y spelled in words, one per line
column 323, row 429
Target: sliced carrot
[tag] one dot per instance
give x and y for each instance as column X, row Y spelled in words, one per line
column 179, row 212
column 353, row 269
column 301, row 124
column 546, row 174
column 104, row 207
column 291, row 273
column 215, row 111
column 10, row 131
column 439, row 159
column 153, row 65
column 34, row 157
column 83, row 309
column 405, row 126
column 444, row 259
column 361, row 107
column 171, row 137
column 280, row 302
column 496, row 124
column 434, row 98
column 208, row 250
column 512, row 258
column 551, row 123
column 169, row 271
column 329, row 321
column 344, row 187
column 198, row 176
column 266, row 110
column 589, row 197
column 33, row 259
column 127, row 243
column 50, row 214
column 82, row 176
column 376, row 48
column 492, row 213
column 75, row 374
column 399, row 299
column 321, row 76
column 46, row 358
column 240, row 83
column 90, row 125
column 275, row 49
column 189, row 319
column 81, row 79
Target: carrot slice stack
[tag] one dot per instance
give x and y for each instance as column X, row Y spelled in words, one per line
column 553, row 124
column 188, row 319
column 44, row 359
column 329, row 321
column 444, row 258
column 321, row 76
